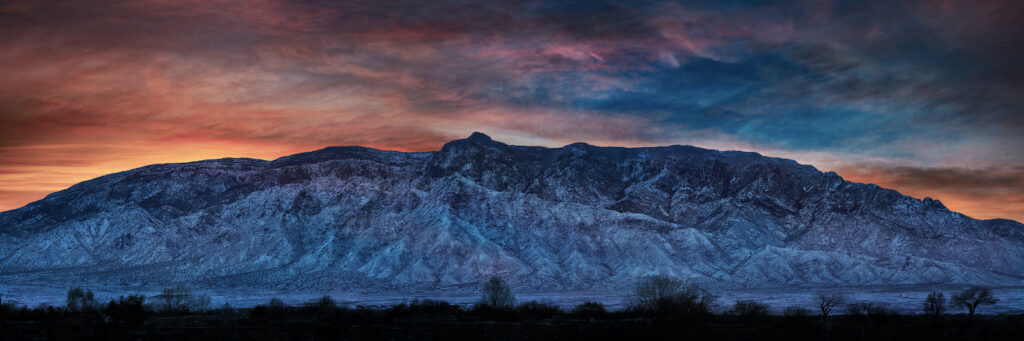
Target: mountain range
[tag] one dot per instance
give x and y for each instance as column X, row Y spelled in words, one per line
column 575, row 217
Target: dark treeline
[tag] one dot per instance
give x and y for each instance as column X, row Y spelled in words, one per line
column 658, row 308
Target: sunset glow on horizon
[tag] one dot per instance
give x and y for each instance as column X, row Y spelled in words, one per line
column 923, row 97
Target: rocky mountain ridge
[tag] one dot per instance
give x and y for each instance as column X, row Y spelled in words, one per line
column 574, row 217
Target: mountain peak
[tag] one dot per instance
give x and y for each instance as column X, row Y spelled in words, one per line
column 578, row 145
column 478, row 136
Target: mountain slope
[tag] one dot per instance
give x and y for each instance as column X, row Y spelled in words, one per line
column 579, row 216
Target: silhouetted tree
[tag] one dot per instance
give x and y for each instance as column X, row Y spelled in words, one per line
column 935, row 304
column 827, row 302
column 81, row 300
column 665, row 296
column 182, row 299
column 497, row 294
column 973, row 297
column 130, row 310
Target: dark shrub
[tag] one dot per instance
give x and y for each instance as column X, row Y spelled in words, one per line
column 435, row 307
column 7, row 308
column 258, row 312
column 749, row 309
column 796, row 311
column 79, row 300
column 534, row 310
column 489, row 313
column 276, row 307
column 324, row 304
column 589, row 310
column 181, row 299
column 130, row 310
column 866, row 309
column 424, row 310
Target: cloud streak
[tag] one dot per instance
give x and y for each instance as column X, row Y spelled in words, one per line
column 991, row 192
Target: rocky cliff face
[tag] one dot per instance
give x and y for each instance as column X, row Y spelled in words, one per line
column 574, row 217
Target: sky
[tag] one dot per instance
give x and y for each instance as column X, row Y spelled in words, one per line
column 925, row 97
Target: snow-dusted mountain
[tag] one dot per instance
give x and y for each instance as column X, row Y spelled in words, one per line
column 574, row 217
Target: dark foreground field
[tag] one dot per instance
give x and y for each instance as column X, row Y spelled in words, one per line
column 439, row 321
column 660, row 307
